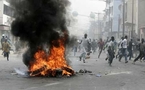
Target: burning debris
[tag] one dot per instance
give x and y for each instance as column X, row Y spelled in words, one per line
column 42, row 23
column 55, row 61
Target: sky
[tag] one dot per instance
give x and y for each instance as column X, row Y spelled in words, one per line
column 84, row 7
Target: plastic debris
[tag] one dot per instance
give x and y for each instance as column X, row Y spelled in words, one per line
column 98, row 75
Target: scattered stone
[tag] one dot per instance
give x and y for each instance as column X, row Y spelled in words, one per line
column 91, row 74
column 81, row 71
column 85, row 71
column 89, row 71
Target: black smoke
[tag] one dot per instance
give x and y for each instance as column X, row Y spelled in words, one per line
column 38, row 22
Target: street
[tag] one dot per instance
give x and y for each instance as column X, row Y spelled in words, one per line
column 120, row 76
column 50, row 31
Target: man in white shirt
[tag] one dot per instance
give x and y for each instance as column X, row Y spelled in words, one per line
column 85, row 48
column 124, row 50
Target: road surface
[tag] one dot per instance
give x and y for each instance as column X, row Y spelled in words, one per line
column 120, row 76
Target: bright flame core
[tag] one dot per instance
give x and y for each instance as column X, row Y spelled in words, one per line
column 44, row 64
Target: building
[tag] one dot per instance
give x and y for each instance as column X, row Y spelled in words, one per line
column 134, row 18
column 140, row 20
column 130, row 11
column 6, row 14
column 111, row 18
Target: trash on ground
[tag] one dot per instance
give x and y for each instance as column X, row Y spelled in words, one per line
column 98, row 75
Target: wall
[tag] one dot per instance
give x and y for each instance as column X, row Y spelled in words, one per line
column 1, row 11
column 141, row 13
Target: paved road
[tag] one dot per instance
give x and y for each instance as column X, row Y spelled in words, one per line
column 120, row 76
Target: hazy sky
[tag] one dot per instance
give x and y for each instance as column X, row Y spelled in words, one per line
column 84, row 7
column 87, row 6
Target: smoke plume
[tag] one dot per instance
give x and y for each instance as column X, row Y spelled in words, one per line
column 38, row 22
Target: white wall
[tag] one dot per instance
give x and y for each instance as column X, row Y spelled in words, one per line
column 1, row 11
column 7, row 20
column 4, row 19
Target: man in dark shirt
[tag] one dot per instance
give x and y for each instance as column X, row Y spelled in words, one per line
column 141, row 51
column 130, row 49
column 101, row 45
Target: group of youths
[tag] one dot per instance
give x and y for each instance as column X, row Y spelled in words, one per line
column 125, row 49
column 122, row 49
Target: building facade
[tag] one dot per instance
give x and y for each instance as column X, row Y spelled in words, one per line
column 140, row 21
column 111, row 18
column 6, row 17
column 134, row 18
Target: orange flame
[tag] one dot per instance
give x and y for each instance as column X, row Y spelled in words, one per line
column 48, row 64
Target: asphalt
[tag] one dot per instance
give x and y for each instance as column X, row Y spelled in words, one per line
column 121, row 76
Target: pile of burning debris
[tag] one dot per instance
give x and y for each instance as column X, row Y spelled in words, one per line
column 58, row 72
column 42, row 23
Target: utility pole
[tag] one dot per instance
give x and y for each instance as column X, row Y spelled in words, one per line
column 99, row 29
column 99, row 25
column 132, row 27
column 118, row 25
column 123, row 16
column 109, row 1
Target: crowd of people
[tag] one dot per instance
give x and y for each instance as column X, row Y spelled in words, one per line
column 114, row 49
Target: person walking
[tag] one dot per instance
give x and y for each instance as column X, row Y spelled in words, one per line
column 79, row 45
column 94, row 45
column 101, row 46
column 119, row 47
column 89, row 45
column 85, row 49
column 124, row 50
column 106, row 49
column 130, row 49
column 6, row 49
column 75, row 47
column 111, row 51
column 141, row 51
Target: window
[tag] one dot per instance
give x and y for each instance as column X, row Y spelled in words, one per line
column 8, row 11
